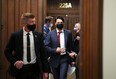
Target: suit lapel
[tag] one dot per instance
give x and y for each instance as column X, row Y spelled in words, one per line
column 21, row 42
column 56, row 36
column 65, row 38
column 35, row 39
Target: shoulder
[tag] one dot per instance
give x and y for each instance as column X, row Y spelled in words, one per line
column 17, row 32
column 52, row 32
column 44, row 28
column 67, row 31
column 39, row 34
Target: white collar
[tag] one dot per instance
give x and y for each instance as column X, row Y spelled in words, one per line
column 25, row 32
column 58, row 30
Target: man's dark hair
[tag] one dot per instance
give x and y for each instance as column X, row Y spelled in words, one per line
column 59, row 17
column 48, row 19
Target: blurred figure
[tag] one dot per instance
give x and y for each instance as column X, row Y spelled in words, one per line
column 75, row 47
column 76, row 38
column 58, row 44
column 25, row 51
column 46, row 29
column 47, row 26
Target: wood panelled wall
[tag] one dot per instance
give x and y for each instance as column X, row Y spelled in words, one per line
column 71, row 15
column 53, row 7
column 11, row 13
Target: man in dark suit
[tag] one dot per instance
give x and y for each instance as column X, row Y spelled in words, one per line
column 26, row 52
column 58, row 44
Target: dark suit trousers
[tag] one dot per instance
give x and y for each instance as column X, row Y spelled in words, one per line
column 61, row 71
column 28, row 72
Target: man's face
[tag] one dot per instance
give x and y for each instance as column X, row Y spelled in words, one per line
column 48, row 24
column 31, row 21
column 31, row 24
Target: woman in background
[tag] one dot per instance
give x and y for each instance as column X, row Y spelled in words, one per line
column 75, row 48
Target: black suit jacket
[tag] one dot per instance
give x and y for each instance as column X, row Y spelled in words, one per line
column 14, row 50
column 75, row 46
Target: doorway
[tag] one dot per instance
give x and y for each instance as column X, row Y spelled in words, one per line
column 68, row 9
column 90, row 17
column 91, row 32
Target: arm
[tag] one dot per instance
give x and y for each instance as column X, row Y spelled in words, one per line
column 9, row 50
column 69, row 46
column 43, row 55
column 70, row 52
column 48, row 44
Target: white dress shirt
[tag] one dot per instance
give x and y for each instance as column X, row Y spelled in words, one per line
column 32, row 48
column 62, row 40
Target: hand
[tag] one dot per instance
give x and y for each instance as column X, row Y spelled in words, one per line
column 78, row 30
column 60, row 50
column 72, row 54
column 48, row 59
column 45, row 75
column 78, row 37
column 73, row 63
column 19, row 64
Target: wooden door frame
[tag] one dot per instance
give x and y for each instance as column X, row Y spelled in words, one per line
column 0, row 31
column 91, row 14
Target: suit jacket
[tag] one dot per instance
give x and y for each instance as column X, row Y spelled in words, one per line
column 14, row 50
column 51, row 43
column 75, row 46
